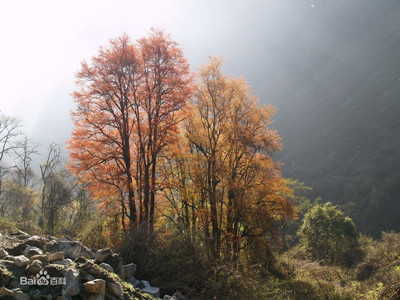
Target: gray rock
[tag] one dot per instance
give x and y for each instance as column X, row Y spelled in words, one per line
column 133, row 281
column 21, row 296
column 42, row 257
column 21, row 247
column 31, row 251
column 107, row 267
column 37, row 241
column 102, row 255
column 97, row 286
column 152, row 290
column 64, row 262
column 71, row 287
column 3, row 253
column 144, row 284
column 115, row 261
column 55, row 256
column 88, row 277
column 129, row 270
column 179, row 296
column 167, row 297
column 34, row 268
column 71, row 249
column 115, row 288
column 4, row 292
column 21, row 261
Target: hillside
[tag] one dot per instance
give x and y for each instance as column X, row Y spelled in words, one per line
column 339, row 113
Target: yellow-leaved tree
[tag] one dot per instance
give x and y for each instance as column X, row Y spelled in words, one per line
column 223, row 187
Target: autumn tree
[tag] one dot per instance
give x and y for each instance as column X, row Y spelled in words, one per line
column 101, row 147
column 226, row 181
column 165, row 91
column 130, row 98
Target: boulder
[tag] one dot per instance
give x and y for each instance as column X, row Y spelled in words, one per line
column 64, row 262
column 55, row 256
column 88, row 277
column 34, row 241
column 102, row 254
column 115, row 261
column 179, row 296
column 107, row 267
column 144, row 284
column 21, row 261
column 71, row 249
column 34, row 268
column 19, row 295
column 4, row 292
column 129, row 270
column 97, row 286
column 151, row 290
column 3, row 253
column 115, row 288
column 167, row 297
column 90, row 268
column 42, row 257
column 31, row 251
column 133, row 281
column 71, row 287
column 37, row 241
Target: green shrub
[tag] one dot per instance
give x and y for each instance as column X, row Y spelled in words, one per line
column 7, row 225
column 328, row 234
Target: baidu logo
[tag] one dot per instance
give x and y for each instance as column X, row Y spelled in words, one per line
column 42, row 278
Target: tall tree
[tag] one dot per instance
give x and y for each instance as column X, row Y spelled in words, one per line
column 165, row 90
column 24, row 151
column 101, row 147
column 48, row 168
column 129, row 103
column 227, row 180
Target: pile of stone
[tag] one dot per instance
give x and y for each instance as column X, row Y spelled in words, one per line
column 52, row 268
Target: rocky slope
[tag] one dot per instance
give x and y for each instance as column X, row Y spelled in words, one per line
column 33, row 267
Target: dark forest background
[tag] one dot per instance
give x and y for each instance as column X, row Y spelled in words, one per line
column 339, row 107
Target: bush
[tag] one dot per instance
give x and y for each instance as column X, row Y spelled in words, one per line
column 328, row 234
column 170, row 260
column 7, row 225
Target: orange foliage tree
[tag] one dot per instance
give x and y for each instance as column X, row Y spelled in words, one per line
column 130, row 99
column 222, row 179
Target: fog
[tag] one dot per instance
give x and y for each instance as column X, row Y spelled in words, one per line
column 43, row 44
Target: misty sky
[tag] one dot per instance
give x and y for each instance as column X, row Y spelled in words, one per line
column 44, row 42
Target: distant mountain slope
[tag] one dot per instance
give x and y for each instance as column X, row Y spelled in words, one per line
column 341, row 123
